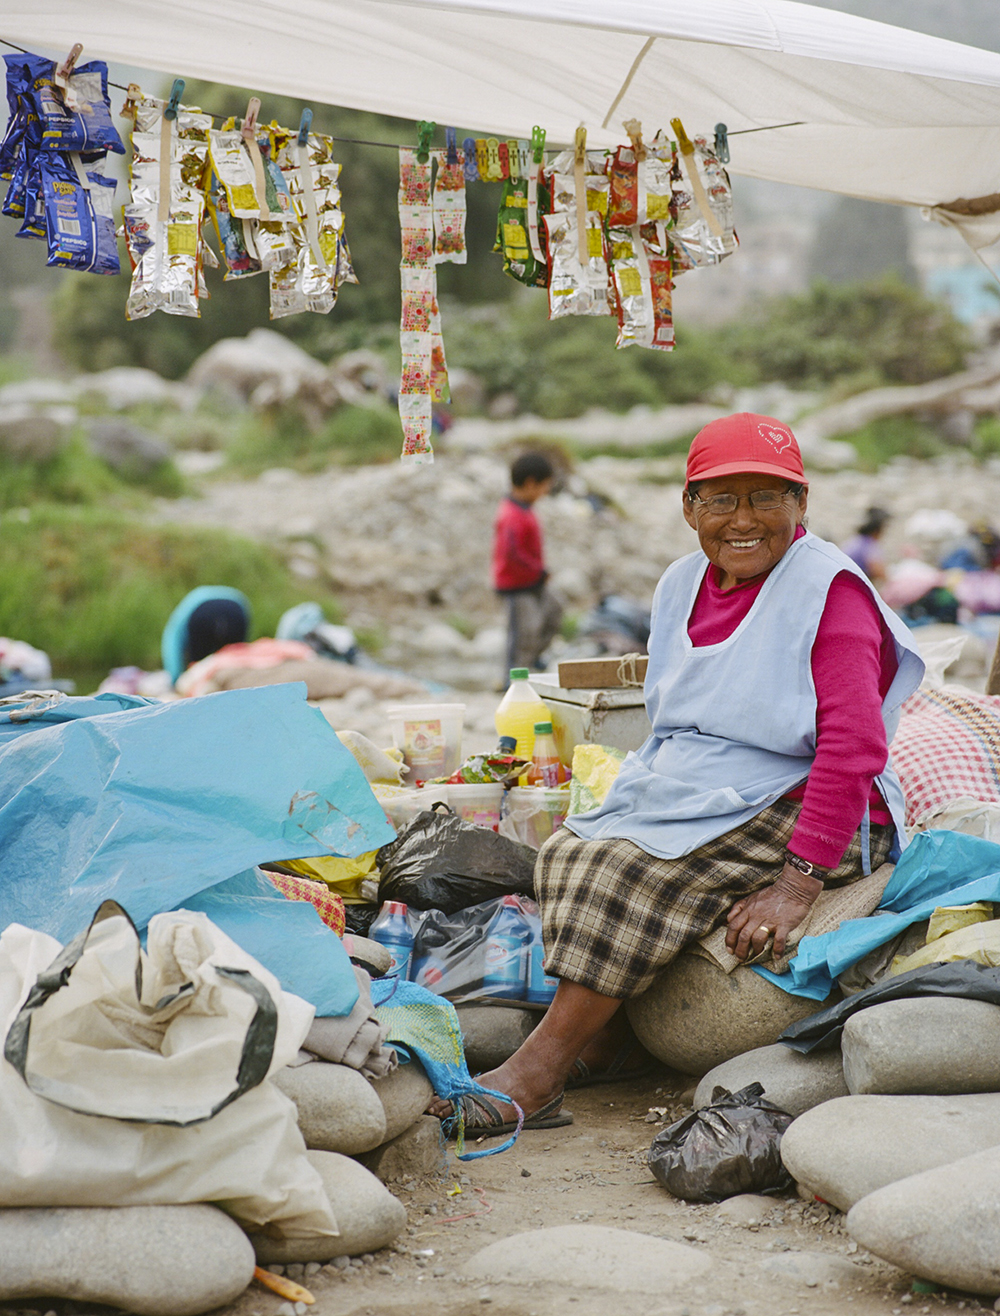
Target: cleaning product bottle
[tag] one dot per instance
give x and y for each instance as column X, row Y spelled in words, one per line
column 544, row 770
column 540, row 987
column 519, row 710
column 506, row 944
column 392, row 931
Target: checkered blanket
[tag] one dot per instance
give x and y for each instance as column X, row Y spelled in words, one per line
column 947, row 746
column 330, row 906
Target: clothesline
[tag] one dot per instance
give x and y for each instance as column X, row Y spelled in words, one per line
column 396, row 146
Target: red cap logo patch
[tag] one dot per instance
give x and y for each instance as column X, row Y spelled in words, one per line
column 779, row 439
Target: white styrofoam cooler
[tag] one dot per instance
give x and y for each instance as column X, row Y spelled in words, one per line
column 612, row 716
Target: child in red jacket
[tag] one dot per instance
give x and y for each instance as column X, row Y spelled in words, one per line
column 519, row 574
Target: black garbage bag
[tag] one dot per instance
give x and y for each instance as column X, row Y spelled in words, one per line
column 821, row 1032
column 439, row 861
column 730, row 1146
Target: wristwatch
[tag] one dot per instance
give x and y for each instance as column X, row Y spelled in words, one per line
column 803, row 865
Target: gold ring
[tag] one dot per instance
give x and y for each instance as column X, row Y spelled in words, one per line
column 764, row 928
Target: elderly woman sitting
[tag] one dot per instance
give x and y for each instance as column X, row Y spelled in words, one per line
column 774, row 683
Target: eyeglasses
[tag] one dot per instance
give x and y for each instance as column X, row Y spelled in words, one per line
column 761, row 500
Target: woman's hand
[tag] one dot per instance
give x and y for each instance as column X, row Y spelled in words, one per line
column 777, row 910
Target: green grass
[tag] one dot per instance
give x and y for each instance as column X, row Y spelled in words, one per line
column 894, row 436
column 76, row 475
column 94, row 588
column 351, row 436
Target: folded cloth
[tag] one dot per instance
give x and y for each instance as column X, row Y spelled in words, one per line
column 356, row 1039
column 832, row 907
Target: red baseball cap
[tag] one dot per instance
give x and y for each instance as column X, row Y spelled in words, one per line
column 743, row 443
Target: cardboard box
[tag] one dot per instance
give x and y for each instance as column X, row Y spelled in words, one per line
column 601, row 673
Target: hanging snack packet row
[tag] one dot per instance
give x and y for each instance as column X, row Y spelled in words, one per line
column 53, row 155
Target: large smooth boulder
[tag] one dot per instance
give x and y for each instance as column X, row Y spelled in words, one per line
column 35, row 434
column 926, row 1044
column 418, row 1152
column 491, row 1034
column 404, row 1094
column 367, row 1215
column 695, row 1016
column 793, row 1081
column 338, row 1109
column 943, row 1224
column 850, row 1147
column 126, row 447
column 151, row 1260
column 589, row 1257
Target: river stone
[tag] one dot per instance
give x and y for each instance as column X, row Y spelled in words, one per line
column 418, row 1151
column 695, row 1016
column 338, row 1110
column 404, row 1094
column 943, row 1224
column 493, row 1033
column 746, row 1208
column 127, row 447
column 35, row 433
column 151, row 1260
column 852, row 1146
column 367, row 1215
column 589, row 1257
column 792, row 1081
column 812, row 1268
column 928, row 1044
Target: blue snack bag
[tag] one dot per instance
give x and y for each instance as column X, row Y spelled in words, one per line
column 32, row 205
column 83, row 126
column 79, row 222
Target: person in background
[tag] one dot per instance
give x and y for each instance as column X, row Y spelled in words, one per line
column 204, row 621
column 863, row 547
column 519, row 575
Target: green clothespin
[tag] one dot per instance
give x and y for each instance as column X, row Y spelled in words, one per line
column 425, row 131
column 176, row 92
column 537, row 144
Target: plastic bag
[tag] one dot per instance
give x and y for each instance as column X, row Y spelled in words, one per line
column 730, row 1146
column 440, row 862
column 965, row 978
column 248, row 1159
column 449, row 950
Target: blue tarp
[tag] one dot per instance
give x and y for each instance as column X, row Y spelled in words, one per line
column 936, row 868
column 151, row 804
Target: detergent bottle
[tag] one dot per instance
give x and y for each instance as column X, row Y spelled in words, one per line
column 392, row 931
column 519, row 710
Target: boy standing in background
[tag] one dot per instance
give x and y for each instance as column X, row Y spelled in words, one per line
column 519, row 574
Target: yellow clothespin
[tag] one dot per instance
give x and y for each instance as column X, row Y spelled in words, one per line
column 482, row 159
column 580, row 185
column 514, row 158
column 683, row 141
column 697, row 186
column 633, row 128
column 62, row 75
column 494, row 170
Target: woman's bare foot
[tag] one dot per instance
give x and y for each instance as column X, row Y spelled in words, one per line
column 531, row 1084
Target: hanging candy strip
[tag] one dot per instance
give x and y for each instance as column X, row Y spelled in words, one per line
column 418, row 283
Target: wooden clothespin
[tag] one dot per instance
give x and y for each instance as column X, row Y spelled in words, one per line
column 722, row 143
column 633, row 128
column 425, row 131
column 62, row 76
column 167, row 147
column 580, row 184
column 249, row 134
column 308, row 188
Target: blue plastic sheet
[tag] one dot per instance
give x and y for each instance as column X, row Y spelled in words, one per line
column 936, row 868
column 286, row 936
column 155, row 802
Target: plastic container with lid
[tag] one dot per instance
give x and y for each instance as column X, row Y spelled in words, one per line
column 518, row 712
column 532, row 813
column 429, row 736
column 403, row 805
column 477, row 803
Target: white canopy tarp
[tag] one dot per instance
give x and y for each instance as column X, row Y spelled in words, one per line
column 879, row 112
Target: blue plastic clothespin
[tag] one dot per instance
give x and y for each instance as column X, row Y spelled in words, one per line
column 176, row 92
column 425, row 131
column 722, row 143
column 451, row 140
column 537, row 144
column 471, row 165
column 305, row 123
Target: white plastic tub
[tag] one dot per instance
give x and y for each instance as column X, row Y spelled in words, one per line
column 532, row 813
column 429, row 736
column 477, row 803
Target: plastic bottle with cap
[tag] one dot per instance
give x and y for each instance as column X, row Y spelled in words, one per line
column 544, row 770
column 518, row 712
column 392, row 930
column 505, row 952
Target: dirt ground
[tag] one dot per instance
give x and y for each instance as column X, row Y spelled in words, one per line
column 595, row 1172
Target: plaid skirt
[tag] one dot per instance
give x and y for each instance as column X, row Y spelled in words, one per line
column 613, row 915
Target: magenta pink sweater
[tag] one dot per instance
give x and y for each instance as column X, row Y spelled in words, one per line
column 853, row 665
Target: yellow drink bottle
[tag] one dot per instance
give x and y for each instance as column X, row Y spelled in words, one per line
column 518, row 712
